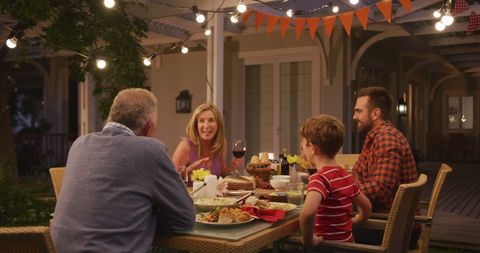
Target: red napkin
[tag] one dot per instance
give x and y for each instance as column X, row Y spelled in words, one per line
column 269, row 215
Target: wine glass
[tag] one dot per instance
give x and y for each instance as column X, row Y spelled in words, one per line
column 239, row 148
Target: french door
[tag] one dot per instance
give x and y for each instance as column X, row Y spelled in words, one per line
column 278, row 98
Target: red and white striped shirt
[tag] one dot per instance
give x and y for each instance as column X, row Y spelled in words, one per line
column 337, row 187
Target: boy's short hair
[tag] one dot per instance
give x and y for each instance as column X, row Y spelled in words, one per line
column 324, row 131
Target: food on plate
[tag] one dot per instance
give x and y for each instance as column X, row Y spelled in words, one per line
column 224, row 216
column 282, row 206
column 239, row 183
column 254, row 201
column 215, row 201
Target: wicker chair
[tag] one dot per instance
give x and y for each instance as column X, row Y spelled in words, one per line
column 398, row 226
column 26, row 240
column 57, row 179
column 347, row 160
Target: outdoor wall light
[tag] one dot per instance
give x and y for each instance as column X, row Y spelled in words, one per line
column 184, row 102
column 402, row 107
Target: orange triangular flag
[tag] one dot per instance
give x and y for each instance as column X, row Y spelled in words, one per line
column 271, row 23
column 299, row 24
column 312, row 24
column 246, row 15
column 346, row 19
column 407, row 4
column 284, row 23
column 385, row 7
column 329, row 22
column 362, row 15
column 259, row 19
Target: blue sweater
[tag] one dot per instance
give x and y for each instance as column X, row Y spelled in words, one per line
column 116, row 188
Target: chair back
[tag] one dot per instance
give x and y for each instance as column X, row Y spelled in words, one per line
column 26, row 240
column 437, row 188
column 57, row 179
column 346, row 160
column 400, row 219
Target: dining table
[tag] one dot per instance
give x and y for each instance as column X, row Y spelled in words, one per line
column 248, row 237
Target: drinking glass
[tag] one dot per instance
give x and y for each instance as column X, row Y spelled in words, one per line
column 295, row 193
column 239, row 148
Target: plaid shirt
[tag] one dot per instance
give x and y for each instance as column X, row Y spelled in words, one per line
column 386, row 162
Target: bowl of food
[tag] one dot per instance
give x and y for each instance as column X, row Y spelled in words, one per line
column 286, row 177
column 280, row 185
column 210, row 204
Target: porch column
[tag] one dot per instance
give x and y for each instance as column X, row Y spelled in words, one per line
column 87, row 106
column 218, row 60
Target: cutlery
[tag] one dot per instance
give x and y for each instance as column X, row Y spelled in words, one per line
column 242, row 199
column 196, row 190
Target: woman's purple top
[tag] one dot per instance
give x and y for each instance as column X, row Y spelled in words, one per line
column 216, row 168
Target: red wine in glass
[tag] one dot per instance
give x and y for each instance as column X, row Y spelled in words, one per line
column 238, row 153
column 239, row 149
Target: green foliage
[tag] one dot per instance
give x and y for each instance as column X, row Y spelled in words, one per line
column 90, row 29
column 20, row 207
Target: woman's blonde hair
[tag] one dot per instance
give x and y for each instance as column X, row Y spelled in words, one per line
column 192, row 129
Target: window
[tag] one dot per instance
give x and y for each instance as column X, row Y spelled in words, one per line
column 460, row 112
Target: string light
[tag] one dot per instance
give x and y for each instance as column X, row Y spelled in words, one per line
column 208, row 31
column 12, row 42
column 109, row 3
column 101, row 63
column 199, row 17
column 447, row 19
column 234, row 18
column 354, row 2
column 147, row 61
column 184, row 49
column 290, row 13
column 437, row 14
column 335, row 9
column 241, row 7
column 439, row 26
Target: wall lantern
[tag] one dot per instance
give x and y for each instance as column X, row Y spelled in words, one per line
column 402, row 107
column 184, row 102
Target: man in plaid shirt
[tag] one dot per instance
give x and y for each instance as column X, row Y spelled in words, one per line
column 386, row 160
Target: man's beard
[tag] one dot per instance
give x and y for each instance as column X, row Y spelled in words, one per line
column 366, row 126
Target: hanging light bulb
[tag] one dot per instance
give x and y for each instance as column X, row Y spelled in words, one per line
column 199, row 17
column 439, row 26
column 12, row 42
column 109, row 3
column 354, row 2
column 437, row 14
column 447, row 19
column 101, row 63
column 335, row 9
column 290, row 13
column 241, row 7
column 234, row 18
column 184, row 49
column 147, row 61
column 208, row 31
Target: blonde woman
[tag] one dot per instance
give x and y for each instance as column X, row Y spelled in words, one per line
column 205, row 145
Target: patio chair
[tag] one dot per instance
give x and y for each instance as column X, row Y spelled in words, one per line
column 57, row 178
column 347, row 160
column 398, row 226
column 26, row 240
column 426, row 219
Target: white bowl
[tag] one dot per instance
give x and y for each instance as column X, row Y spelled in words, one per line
column 285, row 177
column 279, row 184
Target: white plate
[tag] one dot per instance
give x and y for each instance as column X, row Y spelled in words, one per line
column 210, row 204
column 222, row 224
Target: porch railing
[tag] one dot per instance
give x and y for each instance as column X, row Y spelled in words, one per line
column 36, row 153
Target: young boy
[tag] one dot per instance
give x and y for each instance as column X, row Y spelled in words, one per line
column 326, row 214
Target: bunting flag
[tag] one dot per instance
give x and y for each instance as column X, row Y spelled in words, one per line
column 362, row 15
column 259, row 19
column 271, row 23
column 346, row 19
column 299, row 24
column 246, row 15
column 385, row 7
column 407, row 5
column 329, row 22
column 459, row 7
column 284, row 23
column 473, row 23
column 312, row 26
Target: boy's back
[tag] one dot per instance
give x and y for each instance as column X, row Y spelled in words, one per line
column 337, row 187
